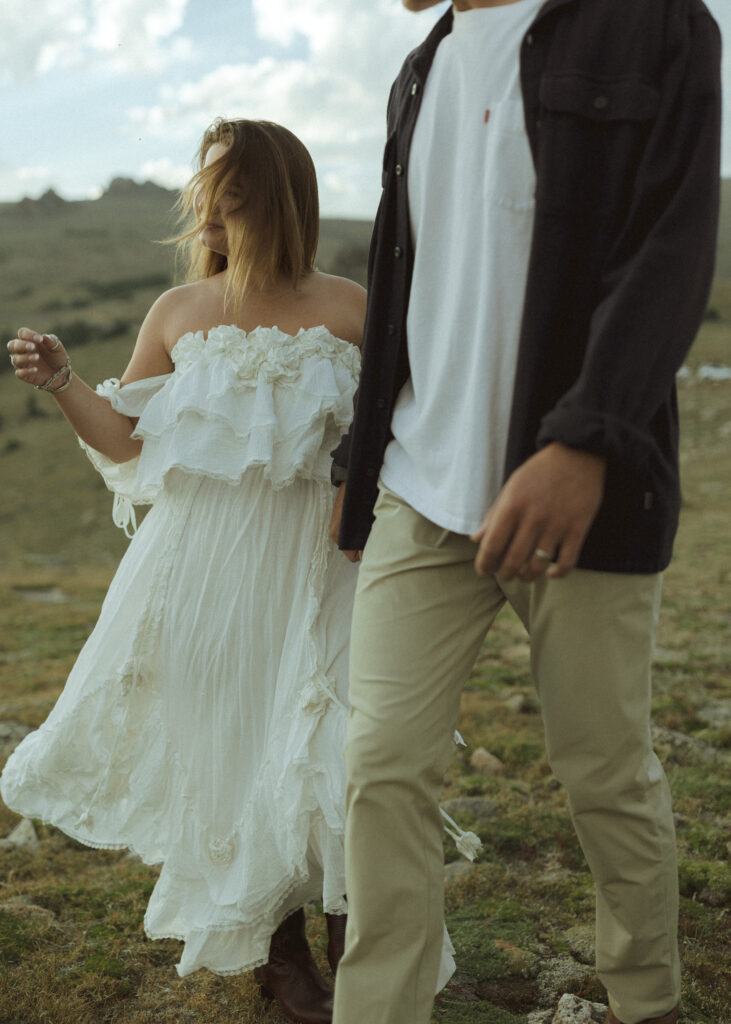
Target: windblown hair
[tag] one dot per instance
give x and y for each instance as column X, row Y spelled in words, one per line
column 275, row 230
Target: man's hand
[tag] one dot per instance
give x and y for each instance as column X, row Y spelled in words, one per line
column 352, row 556
column 542, row 515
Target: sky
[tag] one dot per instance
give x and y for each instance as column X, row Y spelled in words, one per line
column 96, row 89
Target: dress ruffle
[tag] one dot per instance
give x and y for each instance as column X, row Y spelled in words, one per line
column 240, row 400
column 203, row 724
column 121, row 477
column 235, row 401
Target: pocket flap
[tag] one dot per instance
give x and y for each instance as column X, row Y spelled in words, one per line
column 619, row 99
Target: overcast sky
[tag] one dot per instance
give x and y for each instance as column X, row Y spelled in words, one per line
column 94, row 89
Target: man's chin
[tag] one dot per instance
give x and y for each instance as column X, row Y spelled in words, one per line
column 419, row 5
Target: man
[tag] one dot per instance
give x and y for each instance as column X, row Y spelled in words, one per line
column 540, row 263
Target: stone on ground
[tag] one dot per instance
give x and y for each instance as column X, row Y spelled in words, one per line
column 485, row 763
column 572, row 1010
column 22, row 837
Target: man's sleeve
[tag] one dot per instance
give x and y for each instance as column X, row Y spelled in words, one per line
column 656, row 282
column 341, row 454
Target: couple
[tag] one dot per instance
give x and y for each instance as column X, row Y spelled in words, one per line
column 540, row 263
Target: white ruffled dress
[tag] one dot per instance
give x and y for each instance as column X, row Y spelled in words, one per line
column 203, row 723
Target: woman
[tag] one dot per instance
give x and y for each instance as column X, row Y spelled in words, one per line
column 203, row 723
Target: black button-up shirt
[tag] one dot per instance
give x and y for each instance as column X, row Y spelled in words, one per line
column 622, row 103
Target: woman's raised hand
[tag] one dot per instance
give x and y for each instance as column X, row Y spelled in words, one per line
column 36, row 357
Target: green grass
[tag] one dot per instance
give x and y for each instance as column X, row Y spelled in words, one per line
column 82, row 957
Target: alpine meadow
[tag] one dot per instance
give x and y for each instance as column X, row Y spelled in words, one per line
column 72, row 945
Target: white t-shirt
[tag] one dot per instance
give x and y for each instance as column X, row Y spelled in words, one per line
column 471, row 188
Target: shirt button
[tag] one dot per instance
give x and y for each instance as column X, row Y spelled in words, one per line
column 529, row 39
column 601, row 103
column 414, row 88
column 397, row 250
column 391, row 329
column 380, row 403
column 370, row 471
column 399, row 169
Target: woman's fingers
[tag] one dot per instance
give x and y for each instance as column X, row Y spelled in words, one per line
column 35, row 356
column 24, row 358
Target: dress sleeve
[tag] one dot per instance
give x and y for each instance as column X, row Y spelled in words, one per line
column 121, row 477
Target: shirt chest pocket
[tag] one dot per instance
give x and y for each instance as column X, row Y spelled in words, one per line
column 509, row 175
column 599, row 100
column 592, row 132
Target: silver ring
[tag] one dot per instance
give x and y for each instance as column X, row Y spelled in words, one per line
column 543, row 555
column 58, row 342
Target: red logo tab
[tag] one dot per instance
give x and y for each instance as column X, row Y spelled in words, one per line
column 487, row 116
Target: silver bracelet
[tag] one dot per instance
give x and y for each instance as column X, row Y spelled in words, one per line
column 52, row 380
column 56, row 391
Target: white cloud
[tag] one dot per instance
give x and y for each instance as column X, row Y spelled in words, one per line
column 132, row 32
column 129, row 35
column 334, row 98
column 326, row 105
column 32, row 174
column 165, row 172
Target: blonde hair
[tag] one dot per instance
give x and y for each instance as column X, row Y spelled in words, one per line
column 274, row 232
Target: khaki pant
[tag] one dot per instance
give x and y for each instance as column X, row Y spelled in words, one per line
column 421, row 614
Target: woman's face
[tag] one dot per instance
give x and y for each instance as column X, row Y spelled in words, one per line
column 213, row 233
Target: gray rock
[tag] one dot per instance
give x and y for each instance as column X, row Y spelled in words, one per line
column 516, row 652
column 540, row 1017
column 684, row 749
column 23, row 907
column 46, row 595
column 559, row 973
column 716, row 714
column 485, row 763
column 572, row 1010
column 11, row 733
column 23, row 837
column 458, row 869
column 518, row 702
column 669, row 656
column 472, row 806
column 581, row 943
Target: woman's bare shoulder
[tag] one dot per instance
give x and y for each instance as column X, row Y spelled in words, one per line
column 342, row 287
column 185, row 307
column 344, row 305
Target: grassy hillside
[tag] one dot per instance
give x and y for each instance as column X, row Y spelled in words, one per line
column 723, row 261
column 92, row 269
column 72, row 949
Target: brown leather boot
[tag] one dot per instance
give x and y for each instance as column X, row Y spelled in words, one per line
column 669, row 1018
column 291, row 976
column 335, row 939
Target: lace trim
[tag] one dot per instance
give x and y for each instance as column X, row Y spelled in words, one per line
column 268, row 353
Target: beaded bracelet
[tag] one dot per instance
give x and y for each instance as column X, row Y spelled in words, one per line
column 51, row 380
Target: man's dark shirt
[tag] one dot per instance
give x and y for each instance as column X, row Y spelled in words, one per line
column 622, row 103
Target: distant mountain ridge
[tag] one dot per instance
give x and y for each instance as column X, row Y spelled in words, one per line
column 129, row 187
column 121, row 188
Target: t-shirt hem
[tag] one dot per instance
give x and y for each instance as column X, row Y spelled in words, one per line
column 425, row 508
